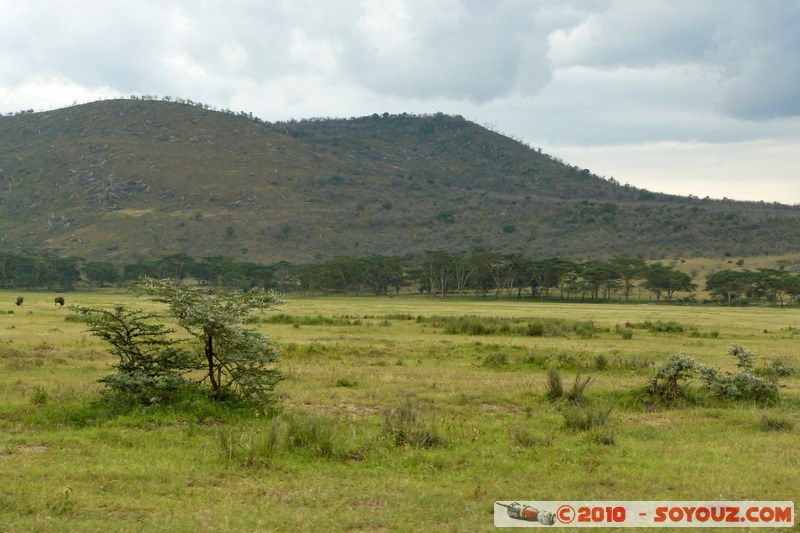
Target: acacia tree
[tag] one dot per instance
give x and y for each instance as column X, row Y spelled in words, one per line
column 774, row 283
column 728, row 285
column 600, row 277
column 238, row 362
column 346, row 273
column 629, row 270
column 151, row 365
column 661, row 279
column 463, row 269
column 494, row 266
column 544, row 274
column 382, row 272
column 436, row 272
column 100, row 272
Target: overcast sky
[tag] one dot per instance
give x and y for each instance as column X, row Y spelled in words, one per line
column 680, row 96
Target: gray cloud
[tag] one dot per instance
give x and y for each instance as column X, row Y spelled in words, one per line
column 749, row 50
column 93, row 44
column 435, row 48
column 639, row 34
column 413, row 49
column 764, row 81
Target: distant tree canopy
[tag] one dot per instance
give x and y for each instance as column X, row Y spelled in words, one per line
column 434, row 273
column 38, row 271
column 777, row 286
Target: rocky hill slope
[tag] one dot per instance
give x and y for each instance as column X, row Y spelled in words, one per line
column 140, row 179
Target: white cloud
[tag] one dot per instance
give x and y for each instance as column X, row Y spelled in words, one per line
column 752, row 170
column 42, row 93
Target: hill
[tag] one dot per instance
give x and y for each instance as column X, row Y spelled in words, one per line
column 139, row 179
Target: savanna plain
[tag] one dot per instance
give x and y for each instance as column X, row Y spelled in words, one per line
column 395, row 414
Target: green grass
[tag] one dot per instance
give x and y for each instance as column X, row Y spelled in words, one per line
column 388, row 428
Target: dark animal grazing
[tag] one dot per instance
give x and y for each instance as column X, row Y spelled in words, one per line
column 20, row 299
column 59, row 300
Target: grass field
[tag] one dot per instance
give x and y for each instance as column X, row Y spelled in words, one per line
column 389, row 423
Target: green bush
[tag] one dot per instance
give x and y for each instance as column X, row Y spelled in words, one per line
column 586, row 418
column 315, row 433
column 495, row 360
column 39, row 396
column 658, row 326
column 575, row 394
column 534, row 327
column 346, row 383
column 254, row 448
column 670, row 379
column 527, row 438
column 776, row 369
column 238, row 363
column 746, row 358
column 405, row 426
column 296, row 321
column 468, row 326
column 602, row 436
column 138, row 388
column 537, row 360
column 554, row 387
column 668, row 385
column 625, row 333
column 743, row 385
column 150, row 366
column 584, row 330
column 775, row 423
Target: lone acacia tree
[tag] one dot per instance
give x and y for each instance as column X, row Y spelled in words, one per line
column 151, row 365
column 238, row 362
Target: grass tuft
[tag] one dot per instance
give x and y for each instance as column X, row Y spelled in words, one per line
column 312, row 432
column 575, row 394
column 586, row 418
column 346, row 383
column 775, row 423
column 406, row 426
column 554, row 387
column 495, row 360
column 39, row 396
column 527, row 438
column 251, row 449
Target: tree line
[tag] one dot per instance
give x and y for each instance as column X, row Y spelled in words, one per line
column 435, row 273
